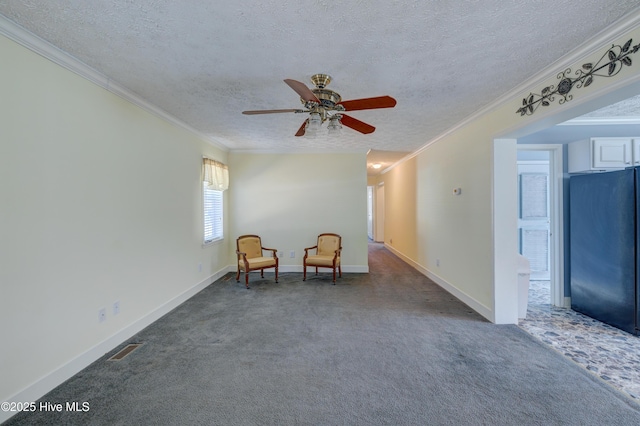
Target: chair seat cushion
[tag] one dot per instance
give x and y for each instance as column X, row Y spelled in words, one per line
column 320, row 260
column 259, row 262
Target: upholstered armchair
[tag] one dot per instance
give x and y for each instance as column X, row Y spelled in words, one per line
column 327, row 255
column 251, row 257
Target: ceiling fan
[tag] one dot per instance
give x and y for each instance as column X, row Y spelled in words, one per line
column 323, row 104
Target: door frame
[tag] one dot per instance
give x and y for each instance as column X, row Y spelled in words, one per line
column 556, row 215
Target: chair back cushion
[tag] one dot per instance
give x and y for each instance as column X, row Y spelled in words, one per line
column 328, row 244
column 251, row 245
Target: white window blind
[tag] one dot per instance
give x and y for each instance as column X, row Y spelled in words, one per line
column 212, row 213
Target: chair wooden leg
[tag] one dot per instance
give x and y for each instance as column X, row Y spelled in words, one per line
column 340, row 270
column 246, row 279
column 316, row 270
column 304, row 272
column 334, row 276
column 276, row 274
column 238, row 275
column 261, row 273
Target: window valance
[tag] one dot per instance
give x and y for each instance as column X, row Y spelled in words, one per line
column 216, row 174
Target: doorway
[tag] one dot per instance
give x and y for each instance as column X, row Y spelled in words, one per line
column 370, row 212
column 540, row 216
column 533, row 212
column 379, row 216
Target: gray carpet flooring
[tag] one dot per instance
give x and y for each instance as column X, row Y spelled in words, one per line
column 385, row 348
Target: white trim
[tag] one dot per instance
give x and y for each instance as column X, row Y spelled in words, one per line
column 463, row 297
column 14, row 32
column 353, row 269
column 51, row 380
column 504, row 231
column 556, row 175
column 600, row 121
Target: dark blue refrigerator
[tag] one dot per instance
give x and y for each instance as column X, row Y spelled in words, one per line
column 604, row 246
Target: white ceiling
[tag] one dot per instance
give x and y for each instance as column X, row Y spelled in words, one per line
column 203, row 62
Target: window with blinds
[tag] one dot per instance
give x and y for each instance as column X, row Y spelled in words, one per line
column 212, row 214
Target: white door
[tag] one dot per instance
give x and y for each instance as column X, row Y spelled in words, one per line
column 379, row 234
column 533, row 218
column 370, row 212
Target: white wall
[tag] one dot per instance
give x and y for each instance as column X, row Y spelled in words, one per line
column 100, row 202
column 288, row 199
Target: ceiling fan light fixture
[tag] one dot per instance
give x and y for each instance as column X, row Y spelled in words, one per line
column 314, row 123
column 334, row 126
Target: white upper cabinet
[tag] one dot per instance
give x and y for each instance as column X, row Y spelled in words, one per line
column 602, row 154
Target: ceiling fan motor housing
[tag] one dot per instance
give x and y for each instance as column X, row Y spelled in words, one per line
column 321, row 80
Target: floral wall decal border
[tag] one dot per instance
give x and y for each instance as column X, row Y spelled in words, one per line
column 609, row 65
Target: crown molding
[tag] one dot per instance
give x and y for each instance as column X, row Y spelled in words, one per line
column 609, row 34
column 23, row 37
column 600, row 121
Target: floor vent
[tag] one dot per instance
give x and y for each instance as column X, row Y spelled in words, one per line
column 125, row 351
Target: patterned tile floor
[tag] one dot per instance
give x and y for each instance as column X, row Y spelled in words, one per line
column 611, row 354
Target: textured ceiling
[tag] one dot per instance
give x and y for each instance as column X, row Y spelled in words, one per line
column 628, row 108
column 204, row 62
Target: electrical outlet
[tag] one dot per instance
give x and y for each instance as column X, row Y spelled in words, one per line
column 292, row 254
column 280, row 254
column 437, row 262
column 199, row 267
column 116, row 307
column 102, row 315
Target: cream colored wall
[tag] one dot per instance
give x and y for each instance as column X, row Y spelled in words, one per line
column 447, row 236
column 101, row 202
column 473, row 236
column 288, row 199
column 401, row 214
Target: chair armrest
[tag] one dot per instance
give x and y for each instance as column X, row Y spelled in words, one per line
column 310, row 248
column 272, row 250
column 243, row 256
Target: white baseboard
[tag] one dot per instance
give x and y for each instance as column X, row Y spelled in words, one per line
column 355, row 269
column 47, row 383
column 465, row 298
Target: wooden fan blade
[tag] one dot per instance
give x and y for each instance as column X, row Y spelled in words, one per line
column 270, row 111
column 356, row 124
column 302, row 90
column 300, row 131
column 369, row 103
